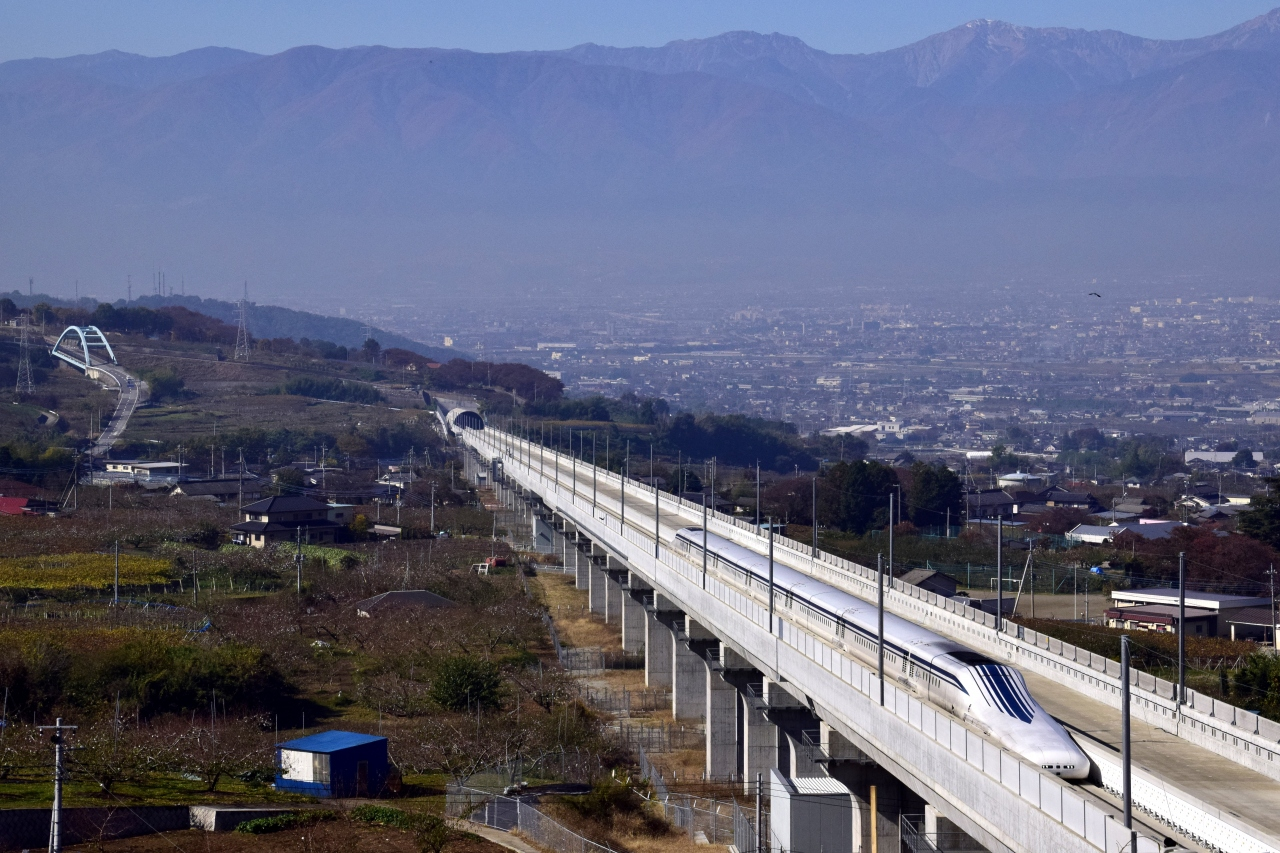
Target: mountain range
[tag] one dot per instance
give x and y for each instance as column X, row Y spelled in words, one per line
column 713, row 165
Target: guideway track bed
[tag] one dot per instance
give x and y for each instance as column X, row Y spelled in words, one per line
column 1238, row 800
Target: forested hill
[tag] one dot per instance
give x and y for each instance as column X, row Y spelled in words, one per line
column 264, row 321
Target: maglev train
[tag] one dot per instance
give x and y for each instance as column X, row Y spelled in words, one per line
column 986, row 694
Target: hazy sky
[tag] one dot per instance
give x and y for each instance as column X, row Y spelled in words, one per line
column 161, row 27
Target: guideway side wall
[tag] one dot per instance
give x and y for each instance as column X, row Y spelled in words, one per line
column 1018, row 806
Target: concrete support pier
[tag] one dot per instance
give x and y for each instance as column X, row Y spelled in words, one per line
column 659, row 650
column 633, row 625
column 581, row 566
column 759, row 745
column 689, row 674
column 596, row 588
column 722, row 726
column 613, row 596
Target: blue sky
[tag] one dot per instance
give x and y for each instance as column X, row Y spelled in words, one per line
column 161, row 27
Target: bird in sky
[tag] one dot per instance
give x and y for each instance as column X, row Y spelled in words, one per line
column 1094, row 293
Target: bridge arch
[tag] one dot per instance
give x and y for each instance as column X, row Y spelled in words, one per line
column 91, row 337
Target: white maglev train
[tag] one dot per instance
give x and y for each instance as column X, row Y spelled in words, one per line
column 985, row 693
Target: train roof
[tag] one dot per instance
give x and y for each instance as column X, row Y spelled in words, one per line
column 835, row 601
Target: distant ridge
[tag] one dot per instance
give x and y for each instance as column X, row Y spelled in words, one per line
column 743, row 161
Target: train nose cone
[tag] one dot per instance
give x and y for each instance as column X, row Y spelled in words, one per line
column 1065, row 762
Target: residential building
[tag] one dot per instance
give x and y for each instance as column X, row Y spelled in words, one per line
column 1152, row 607
column 287, row 519
column 936, row 582
column 219, row 491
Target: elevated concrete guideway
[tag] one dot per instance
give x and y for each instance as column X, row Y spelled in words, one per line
column 1198, row 792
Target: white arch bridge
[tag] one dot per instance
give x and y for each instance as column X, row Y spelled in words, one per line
column 91, row 338
column 98, row 361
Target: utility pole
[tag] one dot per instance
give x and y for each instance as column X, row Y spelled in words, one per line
column 1126, row 758
column 115, row 598
column 1182, row 624
column 880, row 624
column 1271, row 572
column 622, row 486
column 242, row 478
column 297, row 561
column 59, row 773
column 593, row 469
column 433, row 509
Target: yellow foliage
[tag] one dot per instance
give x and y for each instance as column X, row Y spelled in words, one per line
column 68, row 571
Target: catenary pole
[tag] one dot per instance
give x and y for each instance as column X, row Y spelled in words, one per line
column 771, row 575
column 999, row 573
column 704, row 540
column 891, row 534
column 880, row 623
column 1182, row 633
column 757, row 494
column 1126, row 752
column 657, row 506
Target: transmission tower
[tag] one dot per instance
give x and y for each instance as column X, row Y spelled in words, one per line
column 242, row 333
column 25, row 384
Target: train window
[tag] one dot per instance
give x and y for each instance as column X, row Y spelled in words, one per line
column 972, row 658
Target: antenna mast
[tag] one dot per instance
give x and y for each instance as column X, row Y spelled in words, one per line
column 25, row 384
column 242, row 333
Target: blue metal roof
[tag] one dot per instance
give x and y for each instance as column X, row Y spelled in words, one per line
column 335, row 741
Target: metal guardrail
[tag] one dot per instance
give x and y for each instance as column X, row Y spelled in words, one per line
column 916, row 838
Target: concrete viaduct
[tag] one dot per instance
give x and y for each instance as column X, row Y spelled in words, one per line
column 787, row 701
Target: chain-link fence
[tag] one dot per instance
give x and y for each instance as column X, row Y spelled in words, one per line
column 516, row 813
column 719, row 821
column 661, row 737
column 573, row 766
column 625, row 701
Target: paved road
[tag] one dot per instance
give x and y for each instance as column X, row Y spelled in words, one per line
column 132, row 392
